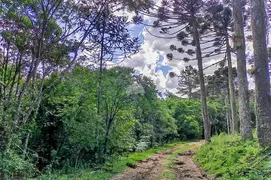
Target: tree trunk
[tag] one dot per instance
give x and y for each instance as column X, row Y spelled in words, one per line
column 189, row 91
column 262, row 79
column 206, row 123
column 99, row 94
column 26, row 145
column 234, row 128
column 227, row 103
column 239, row 40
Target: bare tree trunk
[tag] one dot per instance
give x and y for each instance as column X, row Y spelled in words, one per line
column 189, row 92
column 100, row 88
column 239, row 40
column 234, row 119
column 262, row 79
column 206, row 123
column 228, row 114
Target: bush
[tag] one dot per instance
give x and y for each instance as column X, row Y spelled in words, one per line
column 228, row 157
column 15, row 167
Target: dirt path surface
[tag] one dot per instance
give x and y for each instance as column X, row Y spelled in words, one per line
column 186, row 169
column 150, row 169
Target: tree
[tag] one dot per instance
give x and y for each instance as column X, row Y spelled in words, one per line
column 132, row 117
column 32, row 46
column 222, row 16
column 159, row 125
column 116, row 99
column 193, row 33
column 188, row 120
column 240, row 48
column 39, row 38
column 188, row 81
column 113, row 41
column 218, row 85
column 262, row 80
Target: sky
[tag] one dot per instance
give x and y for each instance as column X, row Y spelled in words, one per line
column 151, row 60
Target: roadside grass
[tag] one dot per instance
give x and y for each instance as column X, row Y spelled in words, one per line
column 228, row 157
column 111, row 168
column 168, row 172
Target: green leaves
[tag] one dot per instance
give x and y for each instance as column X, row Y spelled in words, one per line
column 238, row 161
column 26, row 22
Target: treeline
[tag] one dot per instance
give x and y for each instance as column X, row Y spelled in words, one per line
column 68, row 133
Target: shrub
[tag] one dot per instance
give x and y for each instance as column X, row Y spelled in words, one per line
column 16, row 167
column 228, row 157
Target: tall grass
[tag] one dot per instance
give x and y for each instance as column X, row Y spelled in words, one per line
column 228, row 157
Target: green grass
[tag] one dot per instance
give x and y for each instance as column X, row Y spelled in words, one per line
column 169, row 163
column 228, row 157
column 111, row 168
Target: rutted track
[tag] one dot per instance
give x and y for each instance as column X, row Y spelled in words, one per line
column 186, row 169
column 150, row 169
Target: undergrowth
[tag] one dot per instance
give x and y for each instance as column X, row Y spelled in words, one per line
column 110, row 169
column 228, row 157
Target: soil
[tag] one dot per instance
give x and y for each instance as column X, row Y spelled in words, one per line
column 186, row 169
column 184, row 166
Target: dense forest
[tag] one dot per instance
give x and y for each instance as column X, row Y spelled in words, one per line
column 64, row 107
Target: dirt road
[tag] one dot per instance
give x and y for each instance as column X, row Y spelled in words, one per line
column 157, row 167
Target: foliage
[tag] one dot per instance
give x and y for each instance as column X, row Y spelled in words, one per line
column 188, row 119
column 16, row 167
column 217, row 113
column 132, row 119
column 218, row 82
column 188, row 81
column 228, row 157
column 113, row 167
column 58, row 112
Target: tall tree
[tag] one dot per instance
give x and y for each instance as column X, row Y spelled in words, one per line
column 193, row 33
column 240, row 48
column 188, row 81
column 262, row 79
column 222, row 16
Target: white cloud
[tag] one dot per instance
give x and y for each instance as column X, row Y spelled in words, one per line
column 145, row 62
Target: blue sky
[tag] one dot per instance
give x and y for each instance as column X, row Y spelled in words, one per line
column 137, row 31
column 151, row 59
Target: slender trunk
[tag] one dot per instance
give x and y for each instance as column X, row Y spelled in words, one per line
column 239, row 40
column 100, row 79
column 108, row 127
column 189, row 91
column 26, row 145
column 228, row 122
column 262, row 79
column 234, row 119
column 227, row 102
column 100, row 87
column 36, row 59
column 206, row 123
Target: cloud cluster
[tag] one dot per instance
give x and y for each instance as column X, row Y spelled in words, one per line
column 152, row 62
